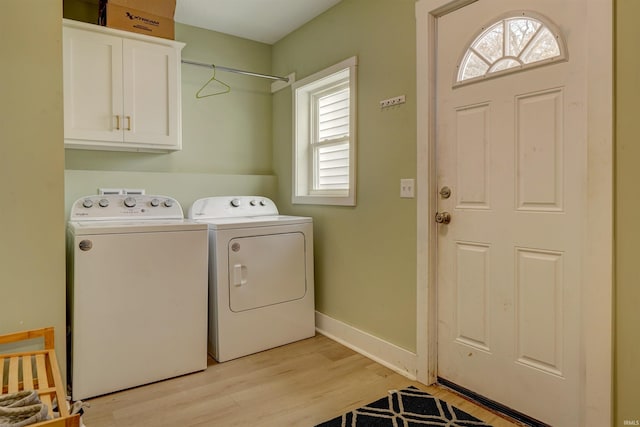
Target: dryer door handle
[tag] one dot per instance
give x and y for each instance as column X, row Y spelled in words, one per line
column 239, row 275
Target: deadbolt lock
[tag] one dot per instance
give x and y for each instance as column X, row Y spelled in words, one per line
column 445, row 192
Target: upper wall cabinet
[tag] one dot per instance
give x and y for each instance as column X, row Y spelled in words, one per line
column 121, row 90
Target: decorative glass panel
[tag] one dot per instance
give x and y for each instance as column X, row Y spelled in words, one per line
column 504, row 64
column 510, row 44
column 490, row 45
column 521, row 31
column 544, row 46
column 473, row 66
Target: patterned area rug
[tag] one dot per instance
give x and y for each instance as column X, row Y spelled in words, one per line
column 409, row 407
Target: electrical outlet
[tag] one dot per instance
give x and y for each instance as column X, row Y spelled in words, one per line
column 407, row 188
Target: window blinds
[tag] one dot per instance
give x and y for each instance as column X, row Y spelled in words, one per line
column 331, row 146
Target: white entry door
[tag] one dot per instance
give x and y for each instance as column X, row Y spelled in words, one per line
column 511, row 152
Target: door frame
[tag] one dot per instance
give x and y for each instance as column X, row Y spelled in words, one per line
column 597, row 255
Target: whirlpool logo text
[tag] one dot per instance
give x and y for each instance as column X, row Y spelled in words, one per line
column 142, row 19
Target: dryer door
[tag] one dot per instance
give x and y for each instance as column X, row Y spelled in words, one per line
column 266, row 270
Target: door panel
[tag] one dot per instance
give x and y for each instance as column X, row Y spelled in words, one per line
column 150, row 97
column 472, row 294
column 473, row 156
column 92, row 85
column 539, row 147
column 539, row 333
column 512, row 150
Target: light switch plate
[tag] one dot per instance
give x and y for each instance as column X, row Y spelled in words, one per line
column 407, row 188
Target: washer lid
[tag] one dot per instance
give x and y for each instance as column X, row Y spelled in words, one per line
column 133, row 226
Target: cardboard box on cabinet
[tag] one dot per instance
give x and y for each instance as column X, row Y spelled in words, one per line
column 150, row 17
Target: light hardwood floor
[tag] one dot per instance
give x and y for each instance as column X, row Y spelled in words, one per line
column 300, row 384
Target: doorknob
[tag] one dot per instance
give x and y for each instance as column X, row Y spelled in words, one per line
column 443, row 217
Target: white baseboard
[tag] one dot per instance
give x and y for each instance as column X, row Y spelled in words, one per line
column 390, row 355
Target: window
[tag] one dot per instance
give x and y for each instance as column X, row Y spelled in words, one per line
column 324, row 112
column 511, row 44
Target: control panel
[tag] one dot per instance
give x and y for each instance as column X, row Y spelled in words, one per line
column 232, row 206
column 125, row 206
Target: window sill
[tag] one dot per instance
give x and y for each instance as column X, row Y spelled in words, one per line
column 348, row 200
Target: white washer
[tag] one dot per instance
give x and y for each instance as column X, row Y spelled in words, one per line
column 137, row 292
column 260, row 275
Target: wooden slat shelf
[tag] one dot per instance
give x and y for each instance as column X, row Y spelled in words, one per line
column 36, row 370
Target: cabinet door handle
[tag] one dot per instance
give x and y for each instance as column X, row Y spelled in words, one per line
column 117, row 122
column 128, row 122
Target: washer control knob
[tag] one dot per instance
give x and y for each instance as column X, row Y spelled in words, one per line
column 262, row 203
column 87, row 203
column 253, row 203
column 168, row 203
column 235, row 203
column 155, row 203
column 103, row 203
column 129, row 202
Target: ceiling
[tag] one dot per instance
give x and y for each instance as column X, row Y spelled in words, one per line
column 266, row 21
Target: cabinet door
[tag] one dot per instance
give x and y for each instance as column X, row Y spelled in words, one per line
column 92, row 86
column 151, row 104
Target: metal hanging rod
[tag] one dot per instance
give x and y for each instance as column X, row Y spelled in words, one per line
column 233, row 70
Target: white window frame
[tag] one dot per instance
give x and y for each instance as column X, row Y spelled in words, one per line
column 545, row 24
column 304, row 122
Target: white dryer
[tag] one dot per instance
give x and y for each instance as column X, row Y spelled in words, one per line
column 260, row 275
column 137, row 291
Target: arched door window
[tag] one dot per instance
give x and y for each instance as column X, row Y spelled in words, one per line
column 517, row 41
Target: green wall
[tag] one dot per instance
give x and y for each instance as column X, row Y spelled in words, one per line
column 32, row 266
column 627, row 209
column 365, row 256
